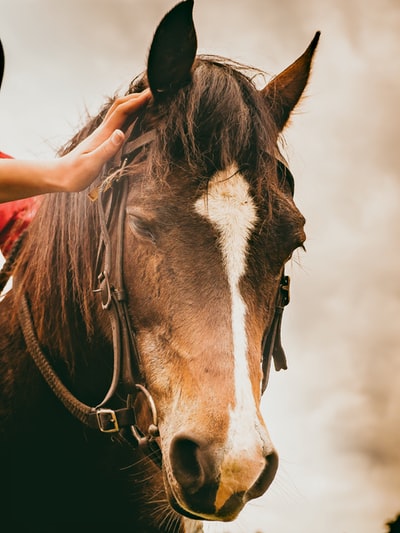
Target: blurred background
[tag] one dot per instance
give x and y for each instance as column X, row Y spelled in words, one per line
column 334, row 416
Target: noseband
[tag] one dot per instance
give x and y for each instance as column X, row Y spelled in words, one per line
column 128, row 380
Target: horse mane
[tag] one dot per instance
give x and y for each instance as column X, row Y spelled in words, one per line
column 218, row 119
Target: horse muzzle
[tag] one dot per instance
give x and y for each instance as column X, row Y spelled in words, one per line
column 205, row 483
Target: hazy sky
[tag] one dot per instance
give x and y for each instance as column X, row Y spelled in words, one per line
column 335, row 415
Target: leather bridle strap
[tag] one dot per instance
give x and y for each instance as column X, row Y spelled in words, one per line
column 271, row 343
column 112, row 291
column 114, row 299
column 103, row 419
column 86, row 414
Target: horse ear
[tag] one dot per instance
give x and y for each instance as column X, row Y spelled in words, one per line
column 1, row 62
column 284, row 91
column 172, row 51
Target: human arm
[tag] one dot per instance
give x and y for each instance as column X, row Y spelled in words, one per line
column 76, row 170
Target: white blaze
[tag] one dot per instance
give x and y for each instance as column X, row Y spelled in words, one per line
column 229, row 206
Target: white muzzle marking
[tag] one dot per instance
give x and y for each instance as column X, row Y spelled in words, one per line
column 229, row 207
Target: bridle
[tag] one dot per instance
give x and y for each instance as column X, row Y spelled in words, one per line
column 127, row 380
column 110, row 281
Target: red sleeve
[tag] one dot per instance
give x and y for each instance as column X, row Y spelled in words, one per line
column 15, row 217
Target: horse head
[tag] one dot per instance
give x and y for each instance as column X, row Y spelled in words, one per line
column 209, row 230
column 207, row 225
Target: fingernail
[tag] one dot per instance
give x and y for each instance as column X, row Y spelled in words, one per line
column 146, row 93
column 117, row 137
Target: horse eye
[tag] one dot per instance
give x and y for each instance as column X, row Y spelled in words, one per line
column 298, row 247
column 140, row 227
column 286, row 176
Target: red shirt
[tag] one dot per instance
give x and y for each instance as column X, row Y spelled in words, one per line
column 15, row 217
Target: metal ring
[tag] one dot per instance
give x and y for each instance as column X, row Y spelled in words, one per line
column 151, row 403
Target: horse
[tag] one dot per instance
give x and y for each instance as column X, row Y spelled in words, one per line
column 138, row 335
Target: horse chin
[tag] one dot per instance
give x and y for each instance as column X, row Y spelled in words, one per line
column 176, row 507
column 229, row 512
column 202, row 505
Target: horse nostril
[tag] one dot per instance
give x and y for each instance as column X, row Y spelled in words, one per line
column 186, row 463
column 266, row 477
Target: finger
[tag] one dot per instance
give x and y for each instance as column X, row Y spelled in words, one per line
column 115, row 118
column 124, row 106
column 121, row 109
column 107, row 149
column 132, row 97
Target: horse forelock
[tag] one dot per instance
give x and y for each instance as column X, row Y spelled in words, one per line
column 217, row 120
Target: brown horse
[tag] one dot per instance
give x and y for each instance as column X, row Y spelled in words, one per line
column 132, row 342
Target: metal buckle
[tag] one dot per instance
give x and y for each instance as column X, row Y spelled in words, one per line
column 107, row 421
column 285, row 290
column 152, row 431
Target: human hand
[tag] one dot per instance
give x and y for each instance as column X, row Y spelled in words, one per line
column 78, row 168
